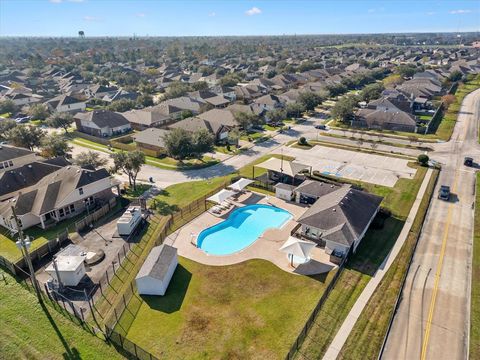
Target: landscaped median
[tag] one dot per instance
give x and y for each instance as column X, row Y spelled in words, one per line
column 475, row 301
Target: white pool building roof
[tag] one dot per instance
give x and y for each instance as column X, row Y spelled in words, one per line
column 239, row 185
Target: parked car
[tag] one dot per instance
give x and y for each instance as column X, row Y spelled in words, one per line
column 444, row 193
column 22, row 120
column 321, row 127
column 468, row 161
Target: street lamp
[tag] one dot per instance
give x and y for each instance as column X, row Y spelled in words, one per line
column 24, row 245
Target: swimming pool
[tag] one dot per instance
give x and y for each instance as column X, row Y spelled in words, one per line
column 241, row 229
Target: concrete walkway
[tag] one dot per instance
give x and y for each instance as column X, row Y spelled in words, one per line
column 336, row 346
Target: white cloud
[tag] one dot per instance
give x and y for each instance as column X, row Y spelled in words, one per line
column 90, row 18
column 140, row 14
column 76, row 1
column 56, row 1
column 460, row 11
column 371, row 11
column 253, row 11
column 430, row 13
column 212, row 14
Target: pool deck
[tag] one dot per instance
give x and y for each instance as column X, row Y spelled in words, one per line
column 265, row 247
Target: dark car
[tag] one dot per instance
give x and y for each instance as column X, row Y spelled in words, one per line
column 321, row 127
column 468, row 161
column 444, row 193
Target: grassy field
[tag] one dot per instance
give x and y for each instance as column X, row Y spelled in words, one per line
column 30, row 331
column 475, row 302
column 163, row 163
column 367, row 336
column 38, row 236
column 361, row 267
column 445, row 129
column 251, row 310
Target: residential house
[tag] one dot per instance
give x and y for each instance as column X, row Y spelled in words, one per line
column 12, row 157
column 339, row 218
column 66, row 103
column 385, row 117
column 43, row 193
column 146, row 118
column 151, row 141
column 102, row 123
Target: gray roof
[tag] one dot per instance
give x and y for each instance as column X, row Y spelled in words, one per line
column 316, row 188
column 11, row 152
column 104, row 118
column 342, row 215
column 151, row 136
column 158, row 261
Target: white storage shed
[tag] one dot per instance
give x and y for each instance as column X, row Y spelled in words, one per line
column 157, row 270
column 71, row 269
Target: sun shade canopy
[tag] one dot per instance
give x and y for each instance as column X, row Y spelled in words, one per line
column 286, row 167
column 240, row 184
column 221, row 196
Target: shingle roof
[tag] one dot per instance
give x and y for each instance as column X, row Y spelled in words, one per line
column 342, row 214
column 8, row 152
column 104, row 118
column 157, row 263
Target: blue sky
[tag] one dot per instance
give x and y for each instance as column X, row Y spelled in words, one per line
column 233, row 17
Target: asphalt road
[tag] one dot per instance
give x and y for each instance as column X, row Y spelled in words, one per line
column 433, row 319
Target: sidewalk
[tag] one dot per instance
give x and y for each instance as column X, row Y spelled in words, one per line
column 347, row 326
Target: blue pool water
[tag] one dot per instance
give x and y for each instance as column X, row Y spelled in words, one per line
column 241, row 229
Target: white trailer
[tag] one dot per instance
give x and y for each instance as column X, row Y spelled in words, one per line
column 129, row 220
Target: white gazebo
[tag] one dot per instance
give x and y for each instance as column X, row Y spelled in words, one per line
column 240, row 184
column 297, row 248
column 221, row 196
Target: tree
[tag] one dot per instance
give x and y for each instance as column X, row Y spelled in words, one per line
column 90, row 158
column 203, row 142
column 448, row 100
column 294, row 109
column 336, row 89
column 230, row 79
column 178, row 143
column 199, row 85
column 277, row 115
column 7, row 106
column 28, row 136
column 121, row 105
column 145, row 100
column 60, row 120
column 343, row 109
column 245, row 120
column 423, row 159
column 55, row 145
column 38, row 111
column 309, row 100
column 186, row 114
column 372, row 92
column 233, row 136
column 6, row 125
column 302, row 141
column 130, row 163
column 392, row 80
column 455, row 75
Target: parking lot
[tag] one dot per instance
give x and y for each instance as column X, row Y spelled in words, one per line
column 376, row 169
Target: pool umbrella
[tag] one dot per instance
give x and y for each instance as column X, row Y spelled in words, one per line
column 297, row 247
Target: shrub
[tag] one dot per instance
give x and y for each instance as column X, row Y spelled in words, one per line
column 423, row 159
column 302, row 141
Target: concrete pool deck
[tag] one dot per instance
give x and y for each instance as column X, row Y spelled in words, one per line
column 265, row 247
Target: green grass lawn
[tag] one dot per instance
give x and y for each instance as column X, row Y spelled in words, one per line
column 251, row 310
column 368, row 333
column 130, row 193
column 38, row 236
column 163, row 163
column 30, row 331
column 475, row 301
column 6, row 115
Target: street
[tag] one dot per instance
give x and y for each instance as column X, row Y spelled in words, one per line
column 433, row 318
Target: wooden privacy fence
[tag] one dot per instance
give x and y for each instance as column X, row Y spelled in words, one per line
column 95, row 216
